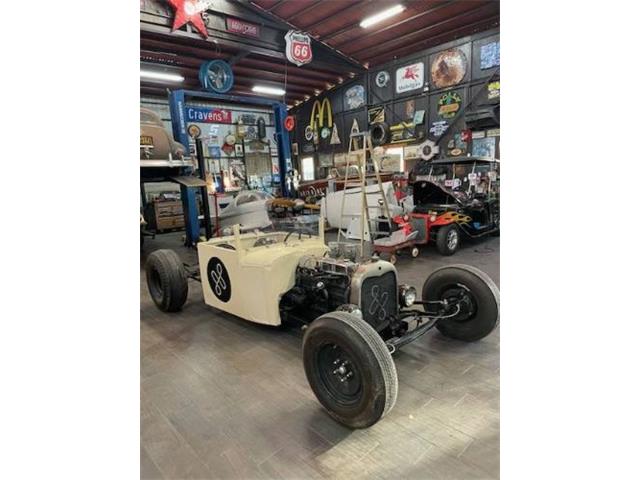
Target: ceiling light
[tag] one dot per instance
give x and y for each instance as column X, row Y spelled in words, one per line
column 383, row 15
column 171, row 77
column 268, row 90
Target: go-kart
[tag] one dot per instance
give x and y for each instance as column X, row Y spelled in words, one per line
column 354, row 314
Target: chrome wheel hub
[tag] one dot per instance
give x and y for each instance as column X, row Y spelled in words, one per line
column 452, row 239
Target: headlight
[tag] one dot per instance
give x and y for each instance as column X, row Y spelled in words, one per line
column 350, row 308
column 408, row 295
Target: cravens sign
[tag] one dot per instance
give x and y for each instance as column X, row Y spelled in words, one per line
column 298, row 48
column 207, row 115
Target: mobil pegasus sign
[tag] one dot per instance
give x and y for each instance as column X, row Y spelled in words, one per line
column 207, row 115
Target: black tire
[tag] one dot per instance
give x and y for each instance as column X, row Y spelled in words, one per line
column 478, row 298
column 166, row 280
column 369, row 385
column 448, row 239
column 380, row 133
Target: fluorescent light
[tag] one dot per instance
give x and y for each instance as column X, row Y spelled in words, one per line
column 268, row 90
column 171, row 77
column 383, row 15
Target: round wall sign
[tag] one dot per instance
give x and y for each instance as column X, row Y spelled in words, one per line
column 289, row 123
column 216, row 76
column 308, row 133
column 382, row 79
column 325, row 132
column 449, row 68
column 219, row 279
column 194, row 131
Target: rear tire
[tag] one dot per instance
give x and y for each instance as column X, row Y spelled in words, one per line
column 350, row 369
column 475, row 293
column 166, row 280
column 448, row 239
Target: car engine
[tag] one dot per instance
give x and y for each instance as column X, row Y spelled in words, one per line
column 322, row 285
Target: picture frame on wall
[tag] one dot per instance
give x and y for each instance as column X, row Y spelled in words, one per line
column 325, row 159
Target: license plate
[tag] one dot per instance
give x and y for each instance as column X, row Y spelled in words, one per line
column 146, row 140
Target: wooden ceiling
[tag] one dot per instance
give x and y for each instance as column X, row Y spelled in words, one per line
column 343, row 48
column 421, row 25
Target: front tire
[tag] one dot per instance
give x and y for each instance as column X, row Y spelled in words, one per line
column 166, row 280
column 476, row 295
column 448, row 239
column 350, row 369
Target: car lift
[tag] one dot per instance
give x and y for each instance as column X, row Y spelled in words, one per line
column 178, row 103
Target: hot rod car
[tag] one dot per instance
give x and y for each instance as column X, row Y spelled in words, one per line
column 455, row 196
column 354, row 314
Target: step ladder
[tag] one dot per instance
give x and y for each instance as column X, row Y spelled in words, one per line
column 359, row 146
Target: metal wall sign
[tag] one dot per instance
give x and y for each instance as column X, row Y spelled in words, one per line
column 242, row 28
column 354, row 97
column 448, row 68
column 449, row 104
column 190, row 11
column 410, row 77
column 335, row 139
column 493, row 90
column 308, row 133
column 490, row 55
column 207, row 115
column 320, row 111
column 298, row 48
column 376, row 114
column 382, row 79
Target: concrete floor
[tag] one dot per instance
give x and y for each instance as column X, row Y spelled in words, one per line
column 224, row 398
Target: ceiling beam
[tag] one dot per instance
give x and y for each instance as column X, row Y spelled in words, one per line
column 161, row 42
column 160, row 46
column 396, row 25
column 481, row 25
column 386, row 45
column 180, row 36
column 152, row 58
column 161, row 89
column 191, row 73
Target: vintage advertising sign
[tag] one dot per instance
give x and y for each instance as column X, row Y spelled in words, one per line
column 298, row 48
column 410, row 77
column 449, row 104
column 493, row 90
column 243, row 28
column 490, row 55
column 190, row 11
column 354, row 97
column 208, row 115
column 376, row 114
column 320, row 111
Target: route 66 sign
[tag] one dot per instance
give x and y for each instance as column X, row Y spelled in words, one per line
column 298, row 47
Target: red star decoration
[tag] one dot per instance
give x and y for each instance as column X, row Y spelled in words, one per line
column 189, row 11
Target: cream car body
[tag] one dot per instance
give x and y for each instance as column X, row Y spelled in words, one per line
column 256, row 276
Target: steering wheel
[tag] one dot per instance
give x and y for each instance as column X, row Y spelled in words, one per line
column 300, row 231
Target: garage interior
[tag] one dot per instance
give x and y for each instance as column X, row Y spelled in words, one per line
column 259, row 106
